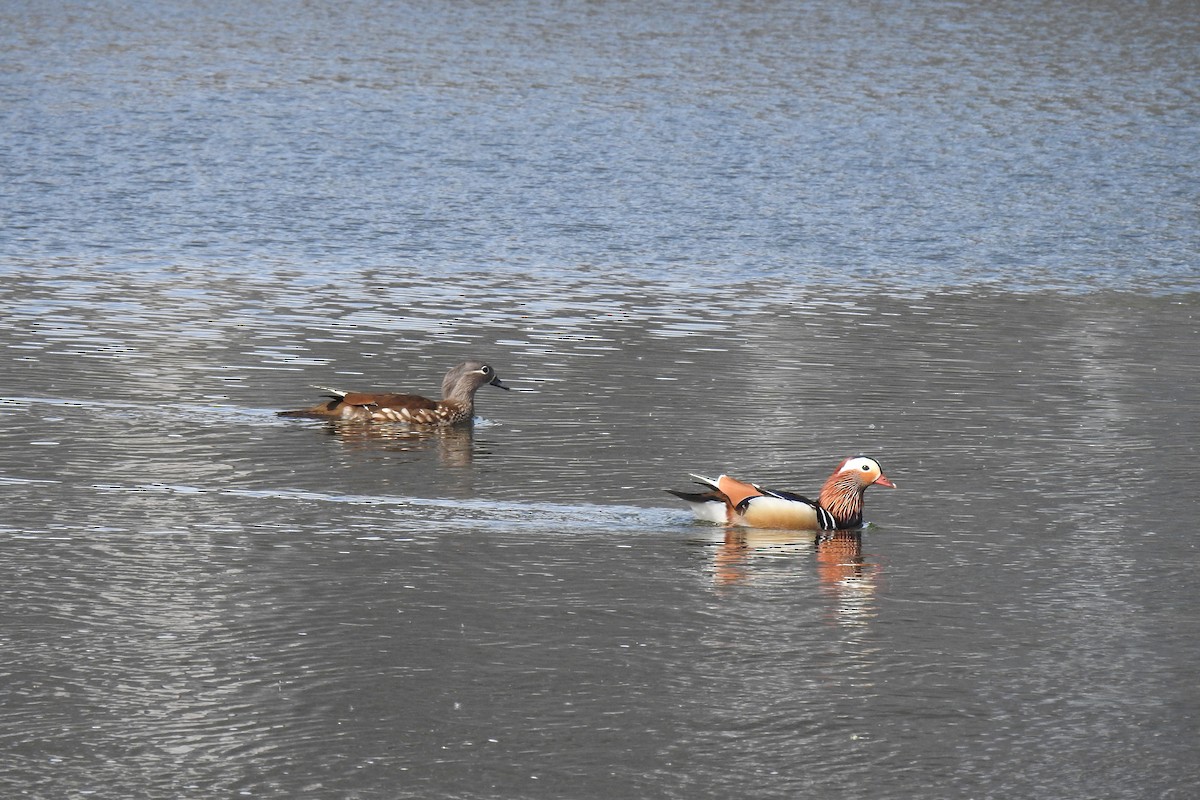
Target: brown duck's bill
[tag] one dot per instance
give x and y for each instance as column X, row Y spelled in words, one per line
column 496, row 382
column 883, row 481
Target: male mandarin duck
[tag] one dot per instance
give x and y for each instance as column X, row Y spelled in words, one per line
column 838, row 506
column 456, row 406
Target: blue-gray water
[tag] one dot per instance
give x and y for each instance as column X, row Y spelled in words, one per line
column 699, row 237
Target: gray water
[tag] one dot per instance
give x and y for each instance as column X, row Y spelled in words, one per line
column 700, row 237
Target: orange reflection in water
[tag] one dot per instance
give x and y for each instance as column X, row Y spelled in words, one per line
column 842, row 570
column 847, row 576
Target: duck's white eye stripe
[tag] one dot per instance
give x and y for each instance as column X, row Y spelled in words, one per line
column 861, row 463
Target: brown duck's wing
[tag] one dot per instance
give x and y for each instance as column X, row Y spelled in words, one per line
column 326, row 409
column 413, row 402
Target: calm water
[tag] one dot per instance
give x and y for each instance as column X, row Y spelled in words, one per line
column 694, row 237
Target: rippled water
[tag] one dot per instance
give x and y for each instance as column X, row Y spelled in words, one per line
column 760, row 238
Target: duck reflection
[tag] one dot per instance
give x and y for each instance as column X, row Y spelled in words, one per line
column 846, row 575
column 733, row 562
column 454, row 445
column 843, row 572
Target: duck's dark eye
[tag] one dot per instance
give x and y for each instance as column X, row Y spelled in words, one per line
column 487, row 370
column 866, row 467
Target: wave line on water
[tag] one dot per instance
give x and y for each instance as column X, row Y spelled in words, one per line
column 476, row 511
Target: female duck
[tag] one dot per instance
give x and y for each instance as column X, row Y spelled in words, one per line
column 456, row 406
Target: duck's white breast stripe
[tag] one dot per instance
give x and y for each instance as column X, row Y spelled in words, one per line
column 828, row 523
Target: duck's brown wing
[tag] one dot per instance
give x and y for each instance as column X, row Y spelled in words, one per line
column 325, row 409
column 364, row 404
column 413, row 402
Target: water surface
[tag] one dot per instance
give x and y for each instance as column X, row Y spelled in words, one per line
column 702, row 238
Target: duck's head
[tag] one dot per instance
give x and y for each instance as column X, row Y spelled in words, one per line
column 866, row 472
column 467, row 377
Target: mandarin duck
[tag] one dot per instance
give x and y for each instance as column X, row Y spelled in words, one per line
column 456, row 406
column 838, row 506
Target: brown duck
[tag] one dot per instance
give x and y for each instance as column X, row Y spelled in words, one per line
column 457, row 405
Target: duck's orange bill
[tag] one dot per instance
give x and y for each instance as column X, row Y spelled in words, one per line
column 883, row 481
